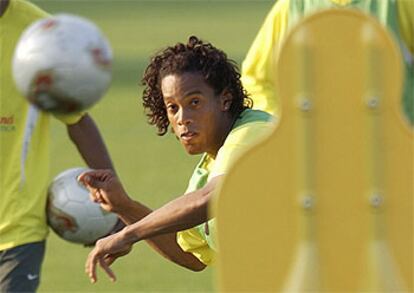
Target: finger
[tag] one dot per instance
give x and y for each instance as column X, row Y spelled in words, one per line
column 97, row 173
column 89, row 180
column 94, row 179
column 107, row 269
column 109, row 259
column 90, row 266
column 98, row 197
column 92, row 196
column 95, row 195
column 84, row 176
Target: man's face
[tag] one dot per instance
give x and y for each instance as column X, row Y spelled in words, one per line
column 198, row 117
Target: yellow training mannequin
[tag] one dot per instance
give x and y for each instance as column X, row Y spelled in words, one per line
column 326, row 202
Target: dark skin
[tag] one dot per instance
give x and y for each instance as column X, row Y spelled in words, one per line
column 192, row 111
column 201, row 121
column 89, row 142
column 3, row 6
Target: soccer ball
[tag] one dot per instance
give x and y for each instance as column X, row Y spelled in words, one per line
column 62, row 64
column 71, row 213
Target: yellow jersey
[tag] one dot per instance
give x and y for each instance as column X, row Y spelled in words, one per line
column 24, row 142
column 249, row 128
column 259, row 66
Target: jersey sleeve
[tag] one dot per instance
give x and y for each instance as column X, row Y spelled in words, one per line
column 406, row 22
column 237, row 143
column 258, row 68
column 191, row 241
column 70, row 119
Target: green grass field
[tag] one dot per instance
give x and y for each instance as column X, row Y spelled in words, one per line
column 153, row 169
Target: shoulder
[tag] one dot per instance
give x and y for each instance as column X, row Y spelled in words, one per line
column 276, row 18
column 250, row 115
column 26, row 12
column 251, row 126
column 29, row 7
column 280, row 7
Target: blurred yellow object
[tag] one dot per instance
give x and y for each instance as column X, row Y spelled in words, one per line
column 326, row 202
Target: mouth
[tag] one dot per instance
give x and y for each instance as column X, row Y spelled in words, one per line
column 188, row 135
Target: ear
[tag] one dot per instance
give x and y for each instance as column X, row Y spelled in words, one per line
column 226, row 99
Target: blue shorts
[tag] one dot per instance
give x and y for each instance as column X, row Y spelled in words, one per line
column 20, row 267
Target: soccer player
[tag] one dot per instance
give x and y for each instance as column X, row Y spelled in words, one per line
column 24, row 161
column 196, row 90
column 258, row 68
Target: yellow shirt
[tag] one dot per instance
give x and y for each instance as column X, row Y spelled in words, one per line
column 252, row 126
column 24, row 142
column 258, row 68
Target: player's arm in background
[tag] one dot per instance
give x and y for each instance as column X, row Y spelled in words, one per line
column 106, row 189
column 258, row 68
column 87, row 139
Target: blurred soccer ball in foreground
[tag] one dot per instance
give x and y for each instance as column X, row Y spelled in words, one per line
column 62, row 64
column 70, row 212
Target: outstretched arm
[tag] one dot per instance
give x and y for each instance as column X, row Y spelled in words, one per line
column 184, row 212
column 158, row 228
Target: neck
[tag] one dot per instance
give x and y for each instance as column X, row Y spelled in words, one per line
column 3, row 6
column 228, row 126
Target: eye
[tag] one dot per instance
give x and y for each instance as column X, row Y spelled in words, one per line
column 172, row 108
column 195, row 101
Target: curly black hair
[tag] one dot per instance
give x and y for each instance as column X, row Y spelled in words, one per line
column 218, row 71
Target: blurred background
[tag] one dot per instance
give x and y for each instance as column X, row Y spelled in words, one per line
column 153, row 169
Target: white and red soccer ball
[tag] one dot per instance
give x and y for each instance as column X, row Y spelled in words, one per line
column 62, row 64
column 72, row 214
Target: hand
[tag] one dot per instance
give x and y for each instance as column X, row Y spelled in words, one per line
column 106, row 251
column 105, row 189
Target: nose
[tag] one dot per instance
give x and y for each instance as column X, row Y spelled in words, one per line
column 183, row 117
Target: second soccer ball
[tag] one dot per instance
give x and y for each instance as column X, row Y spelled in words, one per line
column 62, row 64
